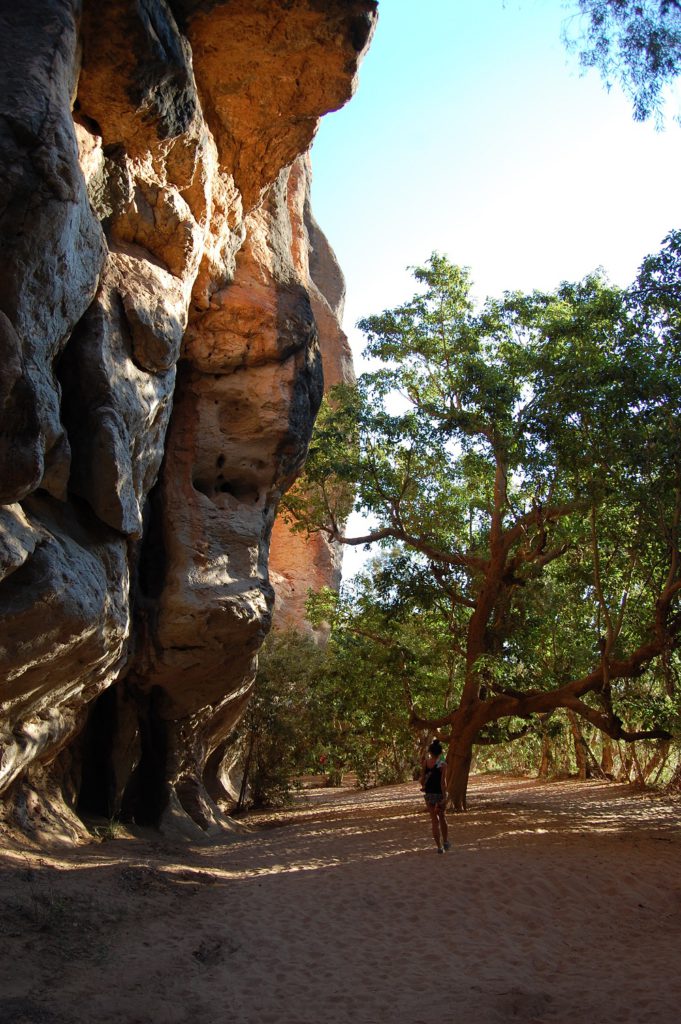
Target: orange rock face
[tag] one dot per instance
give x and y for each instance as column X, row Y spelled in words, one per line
column 299, row 563
column 168, row 319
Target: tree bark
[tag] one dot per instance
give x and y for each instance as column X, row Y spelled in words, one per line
column 640, row 780
column 658, row 761
column 457, row 780
column 580, row 751
column 626, row 763
column 607, row 763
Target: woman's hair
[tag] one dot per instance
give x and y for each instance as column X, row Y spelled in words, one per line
column 435, row 748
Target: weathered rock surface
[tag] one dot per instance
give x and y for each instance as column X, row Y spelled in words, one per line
column 169, row 315
column 299, row 563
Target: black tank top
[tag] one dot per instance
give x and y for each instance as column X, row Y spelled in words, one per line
column 434, row 778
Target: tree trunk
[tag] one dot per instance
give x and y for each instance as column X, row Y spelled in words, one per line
column 626, row 762
column 658, row 760
column 580, row 747
column 674, row 784
column 545, row 763
column 640, row 778
column 458, row 769
column 607, row 763
column 247, row 768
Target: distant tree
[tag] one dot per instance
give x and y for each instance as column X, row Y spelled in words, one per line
column 525, row 459
column 278, row 730
column 334, row 708
column 634, row 42
column 389, row 647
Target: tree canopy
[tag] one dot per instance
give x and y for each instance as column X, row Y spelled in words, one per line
column 520, row 463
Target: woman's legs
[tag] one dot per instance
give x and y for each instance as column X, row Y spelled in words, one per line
column 434, row 812
column 442, row 821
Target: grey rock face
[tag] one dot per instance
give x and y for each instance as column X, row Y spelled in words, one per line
column 51, row 245
column 115, row 410
column 65, row 626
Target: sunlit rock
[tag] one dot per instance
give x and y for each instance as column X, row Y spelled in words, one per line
column 168, row 312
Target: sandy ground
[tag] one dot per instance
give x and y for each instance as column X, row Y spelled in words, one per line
column 557, row 903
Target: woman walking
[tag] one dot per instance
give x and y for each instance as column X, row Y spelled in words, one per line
column 433, row 786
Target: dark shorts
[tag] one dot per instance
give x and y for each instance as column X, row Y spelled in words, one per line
column 434, row 799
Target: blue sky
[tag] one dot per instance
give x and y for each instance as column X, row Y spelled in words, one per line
column 475, row 134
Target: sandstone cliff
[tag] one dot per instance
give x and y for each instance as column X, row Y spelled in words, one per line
column 167, row 303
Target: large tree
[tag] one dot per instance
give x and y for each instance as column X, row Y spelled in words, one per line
column 525, row 457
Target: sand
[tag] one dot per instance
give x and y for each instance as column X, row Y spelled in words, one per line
column 558, row 902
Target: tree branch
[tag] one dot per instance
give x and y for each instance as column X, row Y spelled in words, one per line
column 417, row 543
column 417, row 722
column 489, row 741
column 552, row 514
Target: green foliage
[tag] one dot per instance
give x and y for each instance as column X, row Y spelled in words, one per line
column 361, row 696
column 278, row 728
column 327, row 709
column 516, row 758
column 113, row 829
column 634, row 42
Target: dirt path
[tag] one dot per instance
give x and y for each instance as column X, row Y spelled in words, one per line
column 557, row 903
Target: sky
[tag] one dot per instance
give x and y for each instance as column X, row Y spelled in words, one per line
column 474, row 133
